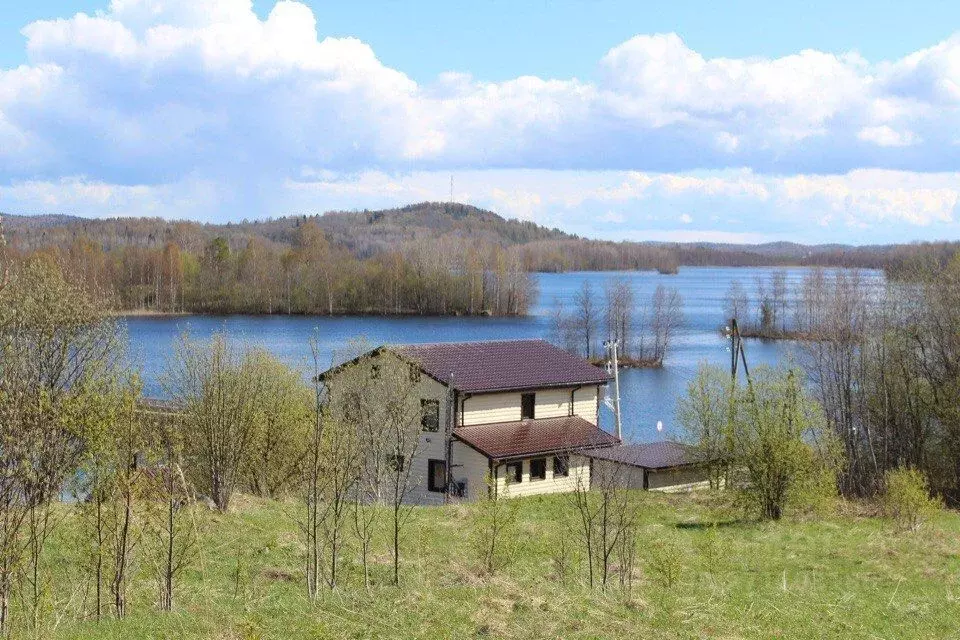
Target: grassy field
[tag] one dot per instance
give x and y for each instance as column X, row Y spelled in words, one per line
column 847, row 576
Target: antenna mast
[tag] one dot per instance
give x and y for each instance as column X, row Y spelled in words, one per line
column 612, row 346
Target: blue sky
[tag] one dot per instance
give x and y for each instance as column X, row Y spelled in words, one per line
column 740, row 121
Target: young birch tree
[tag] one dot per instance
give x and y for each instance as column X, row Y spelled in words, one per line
column 220, row 388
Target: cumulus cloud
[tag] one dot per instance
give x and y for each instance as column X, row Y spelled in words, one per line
column 160, row 104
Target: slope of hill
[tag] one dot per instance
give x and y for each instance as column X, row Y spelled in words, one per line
column 368, row 233
column 364, row 233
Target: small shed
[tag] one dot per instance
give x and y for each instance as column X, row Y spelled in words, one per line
column 658, row 466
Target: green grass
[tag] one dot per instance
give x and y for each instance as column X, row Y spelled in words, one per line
column 842, row 576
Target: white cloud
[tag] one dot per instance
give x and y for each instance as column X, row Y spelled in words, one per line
column 880, row 205
column 884, row 136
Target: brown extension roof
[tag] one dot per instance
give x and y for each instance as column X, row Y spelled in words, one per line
column 650, row 455
column 533, row 437
column 502, row 365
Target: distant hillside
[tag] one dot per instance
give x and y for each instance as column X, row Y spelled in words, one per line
column 366, row 234
column 363, row 233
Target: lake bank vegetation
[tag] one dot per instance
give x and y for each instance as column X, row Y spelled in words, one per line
column 428, row 258
column 251, row 504
column 644, row 332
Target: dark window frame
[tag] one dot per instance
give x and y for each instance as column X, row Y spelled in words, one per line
column 539, row 462
column 431, row 463
column 514, row 472
column 563, row 464
column 430, row 421
column 528, row 406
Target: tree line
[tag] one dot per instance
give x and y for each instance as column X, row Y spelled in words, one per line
column 428, row 258
column 882, row 360
column 446, row 275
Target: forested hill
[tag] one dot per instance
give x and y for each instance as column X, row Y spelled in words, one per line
column 436, row 258
column 363, row 233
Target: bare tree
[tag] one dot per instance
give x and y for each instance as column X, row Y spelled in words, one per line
column 736, row 303
column 219, row 388
column 494, row 521
column 620, row 323
column 173, row 528
column 586, row 318
column 778, row 297
column 666, row 318
column 607, row 513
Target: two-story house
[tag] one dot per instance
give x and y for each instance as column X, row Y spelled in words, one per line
column 517, row 411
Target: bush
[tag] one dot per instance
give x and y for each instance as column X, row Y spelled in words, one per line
column 907, row 498
column 665, row 562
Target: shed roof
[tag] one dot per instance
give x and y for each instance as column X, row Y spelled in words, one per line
column 663, row 454
column 534, row 437
column 502, row 365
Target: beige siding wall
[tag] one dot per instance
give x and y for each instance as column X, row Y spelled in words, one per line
column 489, row 408
column 579, row 468
column 585, row 403
column 679, row 480
column 469, row 465
column 552, row 403
column 432, row 444
column 668, row 480
column 631, row 476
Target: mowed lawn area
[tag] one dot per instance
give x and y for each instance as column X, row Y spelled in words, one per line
column 850, row 576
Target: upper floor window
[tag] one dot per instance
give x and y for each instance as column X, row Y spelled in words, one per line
column 528, row 403
column 430, row 414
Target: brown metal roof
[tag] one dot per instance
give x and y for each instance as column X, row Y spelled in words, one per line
column 532, row 437
column 650, row 455
column 502, row 365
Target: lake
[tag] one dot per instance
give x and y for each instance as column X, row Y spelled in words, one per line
column 647, row 395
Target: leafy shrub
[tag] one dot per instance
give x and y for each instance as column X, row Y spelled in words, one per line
column 665, row 562
column 713, row 550
column 907, row 498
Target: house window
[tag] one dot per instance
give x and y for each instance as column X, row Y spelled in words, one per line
column 515, row 472
column 430, row 414
column 561, row 466
column 538, row 469
column 436, row 475
column 414, row 373
column 395, row 462
column 528, row 402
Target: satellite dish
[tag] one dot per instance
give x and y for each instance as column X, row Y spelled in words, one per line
column 659, row 425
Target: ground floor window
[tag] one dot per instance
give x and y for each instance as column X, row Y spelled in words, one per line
column 515, row 472
column 561, row 466
column 538, row 469
column 436, row 475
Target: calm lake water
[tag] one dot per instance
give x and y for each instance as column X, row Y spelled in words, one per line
column 647, row 395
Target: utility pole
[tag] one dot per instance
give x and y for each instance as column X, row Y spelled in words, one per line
column 451, row 188
column 612, row 346
column 737, row 353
